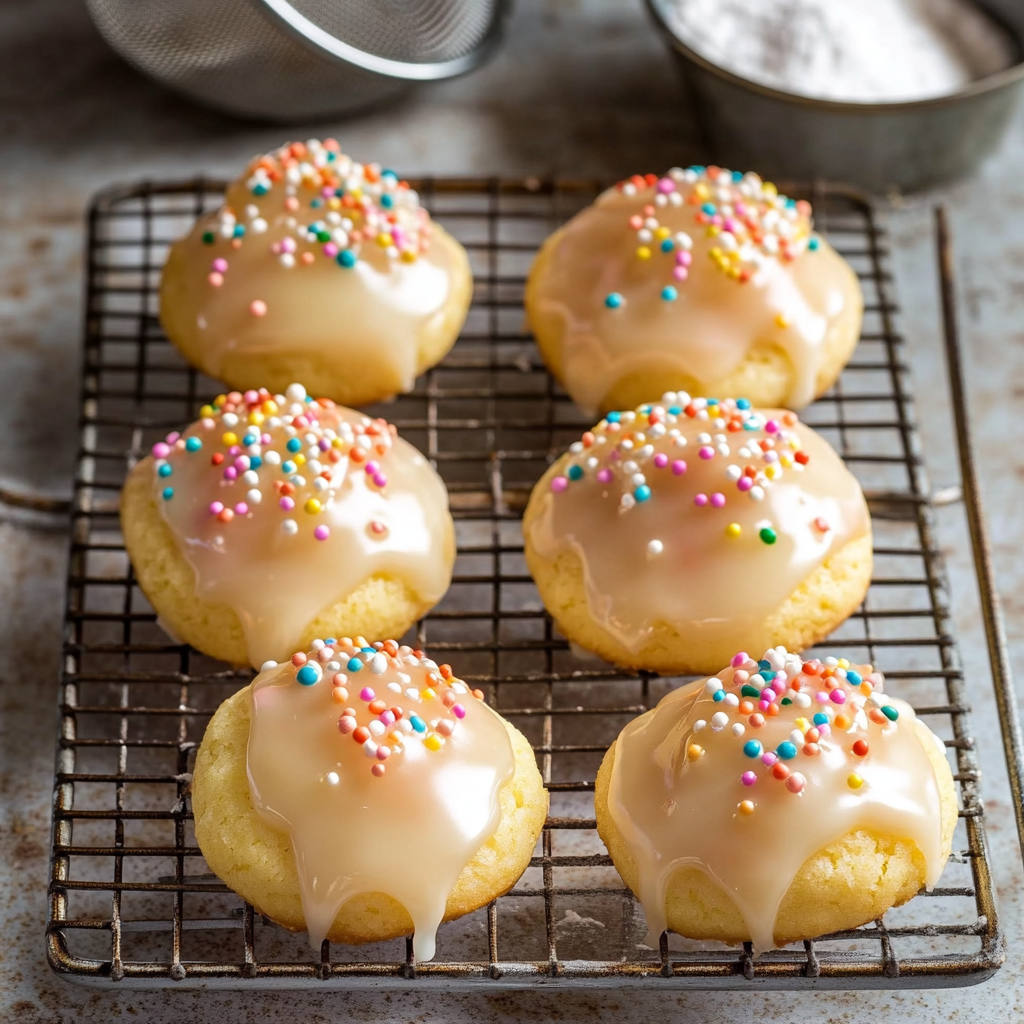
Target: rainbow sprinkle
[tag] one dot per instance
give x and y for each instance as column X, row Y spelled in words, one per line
column 255, row 438
column 388, row 710
column 840, row 703
column 749, row 220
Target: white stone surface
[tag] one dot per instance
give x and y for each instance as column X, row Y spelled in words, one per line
column 582, row 88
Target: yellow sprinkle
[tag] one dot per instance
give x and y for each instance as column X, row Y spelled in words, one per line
column 746, row 807
column 427, row 694
column 782, row 320
column 220, row 400
column 854, row 781
column 734, row 256
column 356, row 193
column 771, row 470
column 408, row 256
column 843, row 663
column 207, row 410
column 337, row 443
column 662, row 233
column 702, row 191
column 256, row 418
column 802, row 724
column 229, row 438
column 716, row 253
column 384, row 240
column 644, row 252
column 714, row 231
column 334, row 203
column 786, row 460
column 734, row 272
column 432, row 742
column 299, row 459
column 694, row 750
column 769, row 190
column 270, row 407
column 733, row 530
column 312, row 506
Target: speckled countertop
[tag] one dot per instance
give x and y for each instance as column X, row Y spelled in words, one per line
column 583, row 87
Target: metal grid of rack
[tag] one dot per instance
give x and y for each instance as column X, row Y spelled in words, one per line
column 131, row 900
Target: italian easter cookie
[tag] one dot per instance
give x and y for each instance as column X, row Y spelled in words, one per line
column 316, row 268
column 362, row 792
column 702, row 280
column 776, row 801
column 275, row 519
column 669, row 536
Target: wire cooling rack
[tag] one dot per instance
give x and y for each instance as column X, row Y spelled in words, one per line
column 131, row 899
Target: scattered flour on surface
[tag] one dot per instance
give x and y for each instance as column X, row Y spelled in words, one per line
column 862, row 51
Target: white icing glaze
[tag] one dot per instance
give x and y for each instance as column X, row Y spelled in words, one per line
column 266, row 561
column 294, row 230
column 765, row 287
column 678, row 797
column 674, row 561
column 400, row 810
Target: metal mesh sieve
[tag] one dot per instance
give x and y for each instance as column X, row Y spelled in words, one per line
column 295, row 59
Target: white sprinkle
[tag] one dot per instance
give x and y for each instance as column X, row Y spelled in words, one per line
column 290, row 527
column 731, row 700
column 719, row 720
column 394, row 688
column 802, row 700
column 332, row 778
column 254, row 497
column 699, row 724
column 267, row 666
column 378, row 664
column 369, row 747
column 376, row 727
column 655, row 548
column 258, row 225
column 713, row 685
column 295, row 393
column 756, row 493
column 739, row 729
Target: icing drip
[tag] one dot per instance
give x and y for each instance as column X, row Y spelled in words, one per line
column 283, row 505
column 700, row 266
column 725, row 510
column 317, row 254
column 776, row 756
column 384, row 770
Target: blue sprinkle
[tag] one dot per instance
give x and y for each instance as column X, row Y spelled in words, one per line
column 250, row 439
column 821, row 718
column 355, row 664
column 368, row 650
column 669, row 294
column 642, row 493
column 239, row 230
column 753, row 748
column 193, row 444
column 697, row 168
column 709, row 209
column 165, row 469
column 330, row 641
column 387, row 201
column 339, row 192
column 786, row 750
column 613, row 417
column 713, row 401
column 613, row 300
column 347, row 259
column 667, row 245
column 790, row 204
column 260, row 189
column 768, row 675
column 168, row 493
column 742, row 403
column 307, row 675
column 764, row 663
column 387, row 173
column 294, row 444
column 675, row 410
column 718, row 696
column 575, row 472
column 255, row 462
column 737, row 176
column 814, row 244
column 854, row 678
column 316, row 203
column 288, row 466
column 417, row 723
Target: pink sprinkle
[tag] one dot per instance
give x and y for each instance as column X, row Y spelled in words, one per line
column 346, row 725
column 288, row 244
column 287, row 503
column 768, row 694
column 445, row 727
column 372, row 468
column 173, row 437
column 796, row 782
column 821, row 697
column 161, row 450
column 739, row 659
column 220, row 265
column 661, row 460
column 301, row 422
column 718, row 500
column 380, row 480
column 706, row 452
column 771, row 456
column 825, row 729
column 298, row 659
column 458, row 711
column 231, row 473
column 730, row 225
column 763, row 704
column 383, row 753
column 322, row 532
column 216, row 508
column 559, row 484
column 666, row 185
column 330, row 250
column 744, row 483
column 684, row 257
column 680, row 273
column 700, row 500
column 340, row 679
column 366, row 694
column 241, row 509
column 327, row 192
column 258, row 307
column 837, row 696
column 323, row 444
column 276, row 248
column 772, row 427
column 740, row 676
column 265, row 439
column 769, row 758
column 604, row 476
column 214, row 280
column 242, row 463
column 678, row 467
column 748, row 778
column 387, row 717
column 234, row 450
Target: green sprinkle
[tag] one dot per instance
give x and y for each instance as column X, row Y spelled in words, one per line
column 768, row 535
column 750, row 691
column 208, row 238
column 890, row 712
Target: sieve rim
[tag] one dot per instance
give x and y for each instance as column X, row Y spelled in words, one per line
column 326, row 45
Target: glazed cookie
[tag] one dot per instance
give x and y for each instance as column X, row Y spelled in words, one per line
column 275, row 519
column 318, row 269
column 776, row 801
column 703, row 280
column 363, row 792
column 669, row 536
